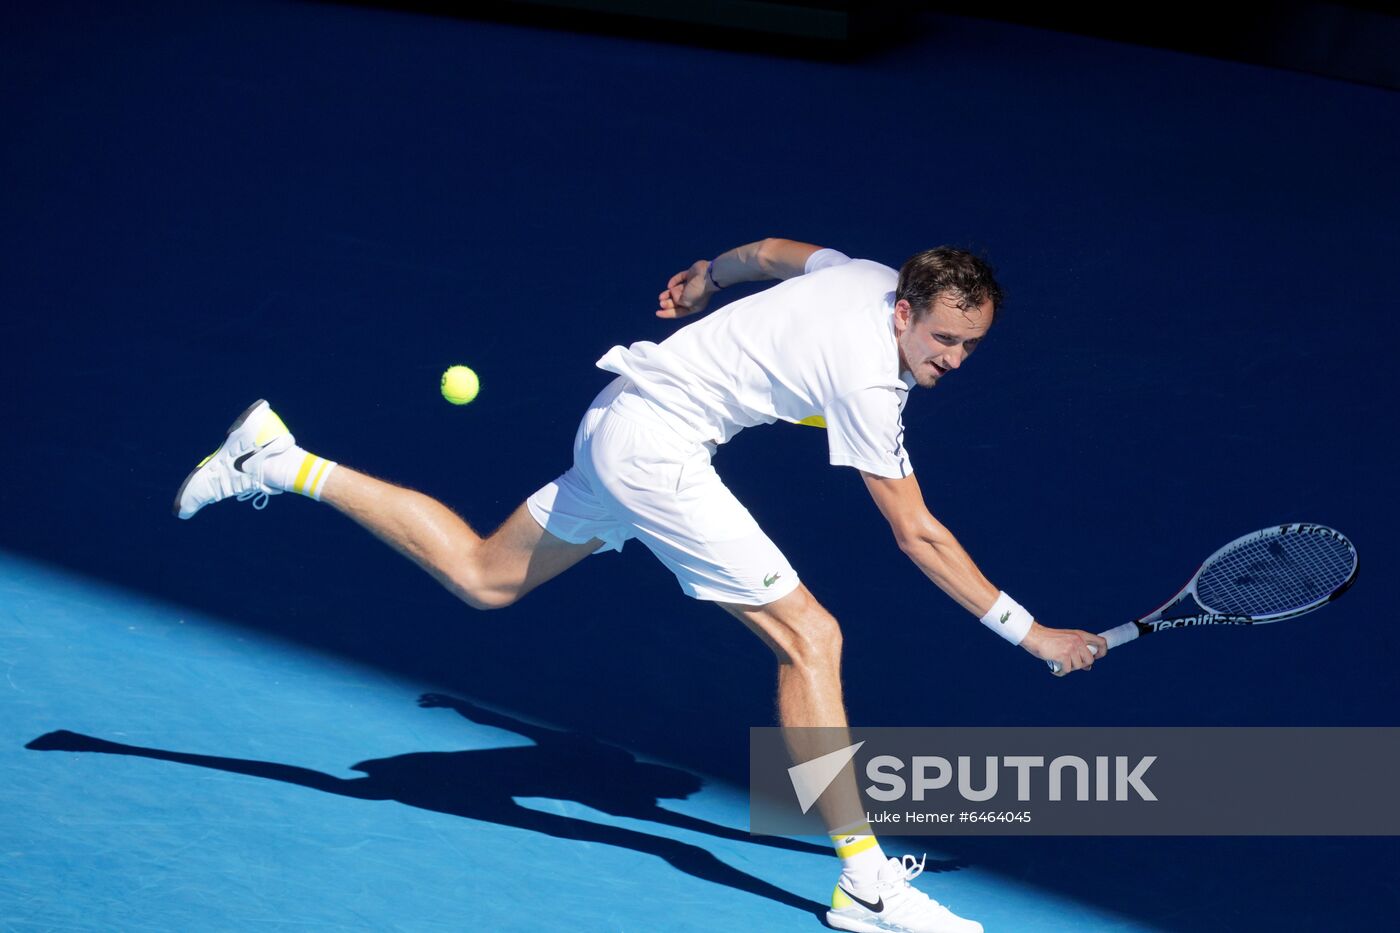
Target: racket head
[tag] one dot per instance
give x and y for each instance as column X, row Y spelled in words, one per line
column 1276, row 573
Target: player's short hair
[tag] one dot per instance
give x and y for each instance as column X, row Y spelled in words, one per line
column 967, row 279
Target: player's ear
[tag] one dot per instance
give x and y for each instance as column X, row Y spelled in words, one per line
column 903, row 315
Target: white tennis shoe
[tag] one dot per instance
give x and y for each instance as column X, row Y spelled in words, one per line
column 893, row 905
column 236, row 468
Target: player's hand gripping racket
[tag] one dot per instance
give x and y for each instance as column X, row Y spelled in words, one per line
column 1274, row 574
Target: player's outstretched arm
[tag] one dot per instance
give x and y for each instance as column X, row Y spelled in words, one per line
column 689, row 291
column 935, row 551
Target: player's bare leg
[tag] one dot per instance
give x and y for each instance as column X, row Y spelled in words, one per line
column 259, row 458
column 806, row 640
column 873, row 893
column 488, row 572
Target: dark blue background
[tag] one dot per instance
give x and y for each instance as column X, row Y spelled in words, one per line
column 327, row 206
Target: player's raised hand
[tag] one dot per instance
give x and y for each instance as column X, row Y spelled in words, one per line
column 1071, row 649
column 688, row 292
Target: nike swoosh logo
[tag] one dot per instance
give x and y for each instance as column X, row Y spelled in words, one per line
column 874, row 906
column 238, row 464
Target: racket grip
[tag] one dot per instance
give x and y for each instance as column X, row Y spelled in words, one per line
column 1114, row 636
column 1121, row 635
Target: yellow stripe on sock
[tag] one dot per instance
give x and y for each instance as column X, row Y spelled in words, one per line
column 321, row 465
column 864, row 844
column 299, row 484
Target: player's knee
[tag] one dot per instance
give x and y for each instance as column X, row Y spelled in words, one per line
column 481, row 593
column 800, row 632
column 487, row 599
column 815, row 639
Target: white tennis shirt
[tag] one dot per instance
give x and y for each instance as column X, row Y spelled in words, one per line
column 818, row 349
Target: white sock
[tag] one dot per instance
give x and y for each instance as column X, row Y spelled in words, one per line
column 296, row 470
column 860, row 854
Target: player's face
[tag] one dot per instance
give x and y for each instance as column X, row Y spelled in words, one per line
column 941, row 340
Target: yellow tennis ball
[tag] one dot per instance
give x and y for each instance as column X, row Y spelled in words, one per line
column 459, row 385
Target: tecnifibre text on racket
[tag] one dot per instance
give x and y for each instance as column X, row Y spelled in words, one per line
column 1277, row 573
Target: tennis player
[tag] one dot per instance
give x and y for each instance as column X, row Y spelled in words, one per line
column 837, row 344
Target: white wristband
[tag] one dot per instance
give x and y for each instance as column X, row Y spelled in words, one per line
column 1008, row 619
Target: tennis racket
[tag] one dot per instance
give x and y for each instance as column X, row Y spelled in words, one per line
column 1278, row 573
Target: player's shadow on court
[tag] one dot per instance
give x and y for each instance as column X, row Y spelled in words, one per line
column 480, row 785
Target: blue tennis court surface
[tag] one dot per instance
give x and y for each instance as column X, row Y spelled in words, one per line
column 326, row 205
column 209, row 779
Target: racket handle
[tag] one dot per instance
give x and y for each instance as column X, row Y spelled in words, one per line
column 1114, row 636
column 1121, row 635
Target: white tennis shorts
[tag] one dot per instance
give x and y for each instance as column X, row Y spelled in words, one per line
column 635, row 477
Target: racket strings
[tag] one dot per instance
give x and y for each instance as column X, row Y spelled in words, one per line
column 1275, row 574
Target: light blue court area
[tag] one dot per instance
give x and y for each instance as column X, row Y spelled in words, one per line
column 209, row 779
